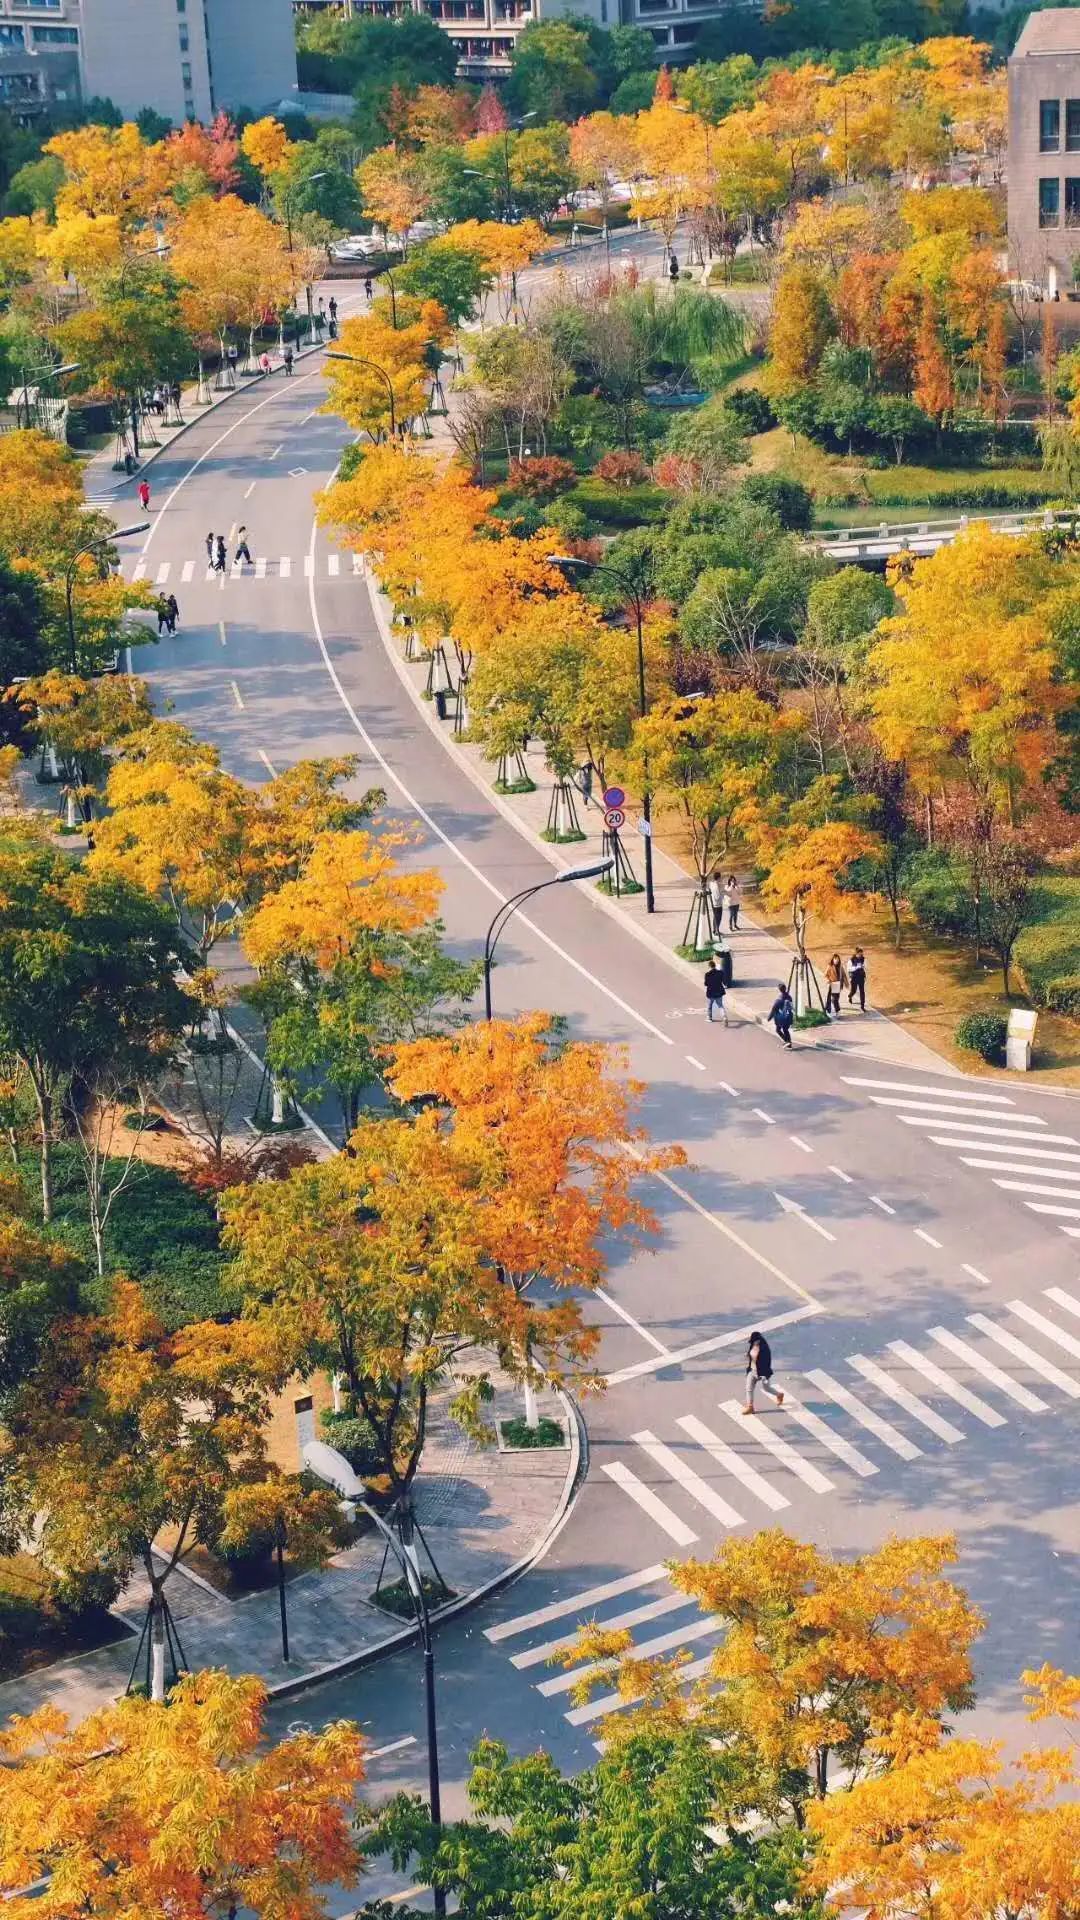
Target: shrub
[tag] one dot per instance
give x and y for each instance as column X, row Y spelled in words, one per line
column 350, row 460
column 614, row 507
column 984, row 1034
column 1063, row 996
column 752, row 409
column 622, row 470
column 542, row 477
column 546, row 1433
column 352, row 1436
column 789, row 501
column 813, row 1017
column 568, row 518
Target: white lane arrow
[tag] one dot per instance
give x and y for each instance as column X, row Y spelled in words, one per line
column 792, row 1206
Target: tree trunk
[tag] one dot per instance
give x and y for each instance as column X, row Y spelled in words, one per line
column 157, row 1646
column 45, row 1117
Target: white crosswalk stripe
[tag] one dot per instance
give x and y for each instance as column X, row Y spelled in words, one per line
column 284, row 567
column 358, row 563
column 1062, row 1299
column 1059, row 1165
column 650, row 1502
column 643, row 1650
column 940, row 1379
column 1048, row 1193
column 140, row 570
column 1055, row 1213
column 309, row 566
column 685, row 1477
column 757, row 1430
column 619, row 1622
column 976, row 1113
column 187, row 572
column 909, row 1401
column 947, row 1091
column 577, row 1603
column 873, row 1422
column 1044, row 1368
column 260, row 567
column 1067, row 1342
column 843, row 1449
column 611, row 1702
column 1007, row 1131
column 989, row 1370
column 739, row 1468
column 163, row 572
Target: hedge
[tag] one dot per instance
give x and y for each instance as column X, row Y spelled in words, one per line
column 619, row 506
column 984, row 1034
column 1048, row 952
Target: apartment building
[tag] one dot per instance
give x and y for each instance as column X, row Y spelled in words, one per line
column 185, row 58
column 1044, row 149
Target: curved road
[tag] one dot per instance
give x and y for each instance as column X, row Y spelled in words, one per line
column 850, row 1206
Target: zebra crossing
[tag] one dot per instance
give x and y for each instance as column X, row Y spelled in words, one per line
column 309, row 566
column 990, row 1132
column 767, row 1471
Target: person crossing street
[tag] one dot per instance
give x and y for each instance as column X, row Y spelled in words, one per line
column 243, row 552
column 782, row 1013
column 220, row 556
column 759, row 1372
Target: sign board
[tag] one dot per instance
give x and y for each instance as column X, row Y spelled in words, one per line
column 644, row 827
column 614, row 797
column 614, row 818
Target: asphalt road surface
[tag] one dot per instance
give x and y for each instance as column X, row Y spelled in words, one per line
column 912, row 1243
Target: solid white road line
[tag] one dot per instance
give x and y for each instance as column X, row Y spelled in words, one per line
column 699, row 1064
column 1066, row 1341
column 975, row 1274
column 947, row 1091
column 728, row 1088
column 392, row 1746
column 732, row 1339
column 988, row 1368
column 762, row 1115
column 647, row 1650
column 611, row 1702
column 757, row 1429
column 922, row 1234
column 268, row 764
column 577, row 1602
column 1057, row 1213
column 733, row 1462
column 277, row 450
column 221, row 631
column 841, row 1175
column 1047, row 1193
column 1016, row 1152
column 1063, row 1299
column 883, row 1204
column 714, row 1219
column 685, row 1477
column 186, row 572
column 619, row 1623
column 1052, row 1165
column 944, row 1382
column 976, row 1113
column 650, row 1503
column 236, row 694
column 650, row 1339
column 873, row 1422
column 821, row 1430
column 250, row 490
column 794, row 1138
column 1008, row 1132
column 1045, row 1368
column 909, row 1401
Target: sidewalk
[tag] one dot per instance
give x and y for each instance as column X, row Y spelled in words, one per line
column 486, row 1514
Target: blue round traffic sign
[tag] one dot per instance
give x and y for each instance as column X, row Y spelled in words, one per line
column 613, row 797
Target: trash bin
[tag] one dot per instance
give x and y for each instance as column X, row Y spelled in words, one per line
column 442, row 702
column 725, row 960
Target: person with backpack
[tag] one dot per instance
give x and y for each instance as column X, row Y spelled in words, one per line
column 759, row 1372
column 715, row 989
column 835, row 981
column 782, row 1013
column 220, row 556
column 857, row 979
column 172, row 612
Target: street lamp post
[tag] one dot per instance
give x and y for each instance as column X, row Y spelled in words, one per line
column 358, row 360
column 588, row 870
column 92, row 546
column 568, row 563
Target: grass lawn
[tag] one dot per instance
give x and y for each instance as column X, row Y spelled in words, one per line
column 32, row 1633
column 849, row 492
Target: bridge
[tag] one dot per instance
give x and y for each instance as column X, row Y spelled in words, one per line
column 873, row 546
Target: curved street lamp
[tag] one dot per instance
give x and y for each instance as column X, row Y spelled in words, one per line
column 589, row 870
column 92, row 546
column 357, row 360
column 568, row 563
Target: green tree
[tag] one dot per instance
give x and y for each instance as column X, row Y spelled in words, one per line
column 452, row 275
column 22, row 640
column 541, row 172
column 553, row 71
column 39, row 1283
column 131, row 338
column 33, row 189
column 318, row 208
column 714, row 88
column 375, row 57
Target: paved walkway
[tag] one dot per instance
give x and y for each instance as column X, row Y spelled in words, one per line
column 485, row 1513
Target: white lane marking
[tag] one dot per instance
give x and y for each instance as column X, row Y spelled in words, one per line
column 660, row 1643
column 685, row 1477
column 1048, row 1193
column 699, row 1064
column 793, row 1206
column 231, row 535
column 295, row 472
column 702, row 1347
column 821, row 1430
column 284, row 567
column 650, row 1339
column 975, row 1113
column 1052, row 1165
column 392, row 1746
column 618, row 1623
column 650, row 1503
column 841, row 1175
column 576, row 1603
column 221, row 631
column 268, row 764
column 921, row 1234
column 1067, row 1341
column 250, row 490
column 758, row 1429
column 236, row 694
column 309, row 566
column 940, row 1379
column 139, row 569
column 873, row 1422
column 909, row 1401
column 163, row 572
column 733, row 1462
column 994, row 1133
column 1073, row 1231
column 728, row 1088
column 186, row 572
column 277, row 450
column 611, row 1702
column 1057, row 1213
column 1063, row 1299
column 975, row 1274
column 1015, row 1150
column 260, row 567
column 883, row 1204
column 794, row 1138
column 236, row 571
column 1045, row 1368
column 762, row 1115
column 988, row 1368
column 948, row 1092
column 333, row 564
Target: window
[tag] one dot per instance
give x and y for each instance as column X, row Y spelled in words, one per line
column 185, row 75
column 185, row 41
column 12, row 36
column 181, row 6
column 1049, row 126
column 1072, row 126
column 56, row 36
column 1072, row 203
column 1049, row 203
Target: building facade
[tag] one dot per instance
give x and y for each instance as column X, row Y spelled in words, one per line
column 185, row 58
column 1044, row 150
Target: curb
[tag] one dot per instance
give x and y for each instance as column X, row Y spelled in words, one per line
column 576, row 1471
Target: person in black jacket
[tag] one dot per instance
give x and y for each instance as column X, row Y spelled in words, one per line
column 759, row 1372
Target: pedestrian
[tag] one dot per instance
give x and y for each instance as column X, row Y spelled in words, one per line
column 715, row 890
column 857, row 978
column 673, row 270
column 220, row 558
column 782, row 1013
column 584, row 781
column 732, row 892
column 232, row 355
column 264, row 362
column 288, row 359
column 759, row 1372
column 835, row 979
column 333, row 308
column 173, row 612
column 209, row 549
column 715, row 990
column 369, row 287
column 333, row 329
column 321, row 315
column 242, row 550
column 144, row 495
column 174, row 394
column 161, row 608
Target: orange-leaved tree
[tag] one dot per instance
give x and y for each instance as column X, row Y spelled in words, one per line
column 550, row 1131
column 390, row 356
column 180, row 1809
column 807, row 863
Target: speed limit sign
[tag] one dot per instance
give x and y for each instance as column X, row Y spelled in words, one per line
column 614, row 818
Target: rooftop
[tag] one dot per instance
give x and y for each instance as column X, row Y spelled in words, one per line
column 1056, row 30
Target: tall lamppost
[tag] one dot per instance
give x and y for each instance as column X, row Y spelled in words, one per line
column 92, row 546
column 357, row 360
column 588, row 870
column 568, row 564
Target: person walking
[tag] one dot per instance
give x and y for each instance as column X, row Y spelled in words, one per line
column 288, row 359
column 857, row 979
column 161, row 608
column 782, row 1013
column 759, row 1372
column 714, row 992
column 144, row 495
column 243, row 552
column 369, row 287
column 715, row 890
column 333, row 309
column 835, row 979
column 220, row 556
column 173, row 612
column 209, row 549
column 264, row 362
column 732, row 893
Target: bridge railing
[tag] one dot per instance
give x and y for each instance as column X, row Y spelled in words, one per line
column 946, row 528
